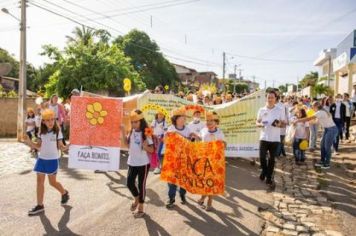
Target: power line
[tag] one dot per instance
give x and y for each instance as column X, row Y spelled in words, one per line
column 270, row 59
column 135, row 44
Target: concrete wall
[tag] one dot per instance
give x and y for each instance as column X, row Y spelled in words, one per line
column 8, row 116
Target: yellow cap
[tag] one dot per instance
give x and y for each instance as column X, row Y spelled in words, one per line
column 30, row 109
column 135, row 117
column 190, row 97
column 48, row 114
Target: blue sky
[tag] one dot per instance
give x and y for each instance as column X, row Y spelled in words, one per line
column 195, row 33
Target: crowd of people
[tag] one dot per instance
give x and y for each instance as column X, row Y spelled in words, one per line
column 296, row 121
column 289, row 120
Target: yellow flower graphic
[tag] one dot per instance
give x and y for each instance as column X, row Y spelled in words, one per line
column 95, row 113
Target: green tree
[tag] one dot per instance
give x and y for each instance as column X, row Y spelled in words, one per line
column 321, row 89
column 6, row 57
column 310, row 79
column 282, row 88
column 147, row 59
column 93, row 64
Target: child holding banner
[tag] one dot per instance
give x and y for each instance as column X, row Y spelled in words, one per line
column 159, row 126
column 50, row 139
column 196, row 125
column 210, row 133
column 178, row 126
column 140, row 145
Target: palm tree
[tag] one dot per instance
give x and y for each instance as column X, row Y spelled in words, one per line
column 83, row 34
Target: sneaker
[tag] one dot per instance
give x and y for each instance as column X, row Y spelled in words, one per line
column 157, row 171
column 325, row 167
column 262, row 177
column 318, row 164
column 37, row 209
column 183, row 199
column 65, row 198
column 170, row 203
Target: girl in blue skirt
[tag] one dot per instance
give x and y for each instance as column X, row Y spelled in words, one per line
column 50, row 140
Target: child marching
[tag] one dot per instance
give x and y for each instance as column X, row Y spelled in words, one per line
column 301, row 137
column 159, row 126
column 178, row 126
column 50, row 140
column 140, row 146
column 210, row 133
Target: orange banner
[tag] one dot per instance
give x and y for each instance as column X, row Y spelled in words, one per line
column 96, row 121
column 199, row 167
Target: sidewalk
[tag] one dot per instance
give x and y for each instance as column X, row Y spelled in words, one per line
column 309, row 201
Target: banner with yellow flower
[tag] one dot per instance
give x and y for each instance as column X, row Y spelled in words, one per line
column 95, row 133
column 198, row 167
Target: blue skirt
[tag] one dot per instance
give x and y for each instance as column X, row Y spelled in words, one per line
column 48, row 167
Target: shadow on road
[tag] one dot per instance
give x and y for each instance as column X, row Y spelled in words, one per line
column 153, row 228
column 62, row 224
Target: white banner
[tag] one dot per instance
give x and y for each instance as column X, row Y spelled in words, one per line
column 94, row 158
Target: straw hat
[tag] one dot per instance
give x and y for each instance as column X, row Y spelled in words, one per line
column 179, row 112
column 134, row 116
column 48, row 114
column 211, row 116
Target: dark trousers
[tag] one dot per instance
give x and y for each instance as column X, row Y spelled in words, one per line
column 267, row 164
column 340, row 125
column 281, row 150
column 141, row 172
column 347, row 127
column 353, row 110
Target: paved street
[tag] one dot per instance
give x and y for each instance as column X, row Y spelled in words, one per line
column 99, row 203
column 306, row 201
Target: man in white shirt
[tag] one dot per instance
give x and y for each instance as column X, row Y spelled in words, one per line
column 270, row 119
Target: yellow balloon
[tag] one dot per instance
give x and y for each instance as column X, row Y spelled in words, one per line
column 166, row 87
column 127, row 81
column 127, row 87
column 310, row 112
column 303, row 145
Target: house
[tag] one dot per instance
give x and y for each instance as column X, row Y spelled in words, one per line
column 325, row 65
column 185, row 74
column 206, row 77
column 9, row 83
column 344, row 65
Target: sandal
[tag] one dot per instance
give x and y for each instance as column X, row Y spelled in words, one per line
column 139, row 214
column 209, row 208
column 200, row 202
column 133, row 206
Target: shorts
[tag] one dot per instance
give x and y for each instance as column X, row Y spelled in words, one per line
column 48, row 167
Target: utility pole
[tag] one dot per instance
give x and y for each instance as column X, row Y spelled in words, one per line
column 273, row 84
column 329, row 71
column 151, row 21
column 224, row 67
column 235, row 67
column 22, row 76
column 265, row 84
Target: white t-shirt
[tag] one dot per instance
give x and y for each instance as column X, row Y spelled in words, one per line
column 208, row 136
column 196, row 127
column 283, row 107
column 159, row 127
column 300, row 130
column 137, row 155
column 49, row 149
column 55, row 109
column 267, row 116
column 348, row 105
column 185, row 132
column 325, row 119
column 38, row 119
column 30, row 127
